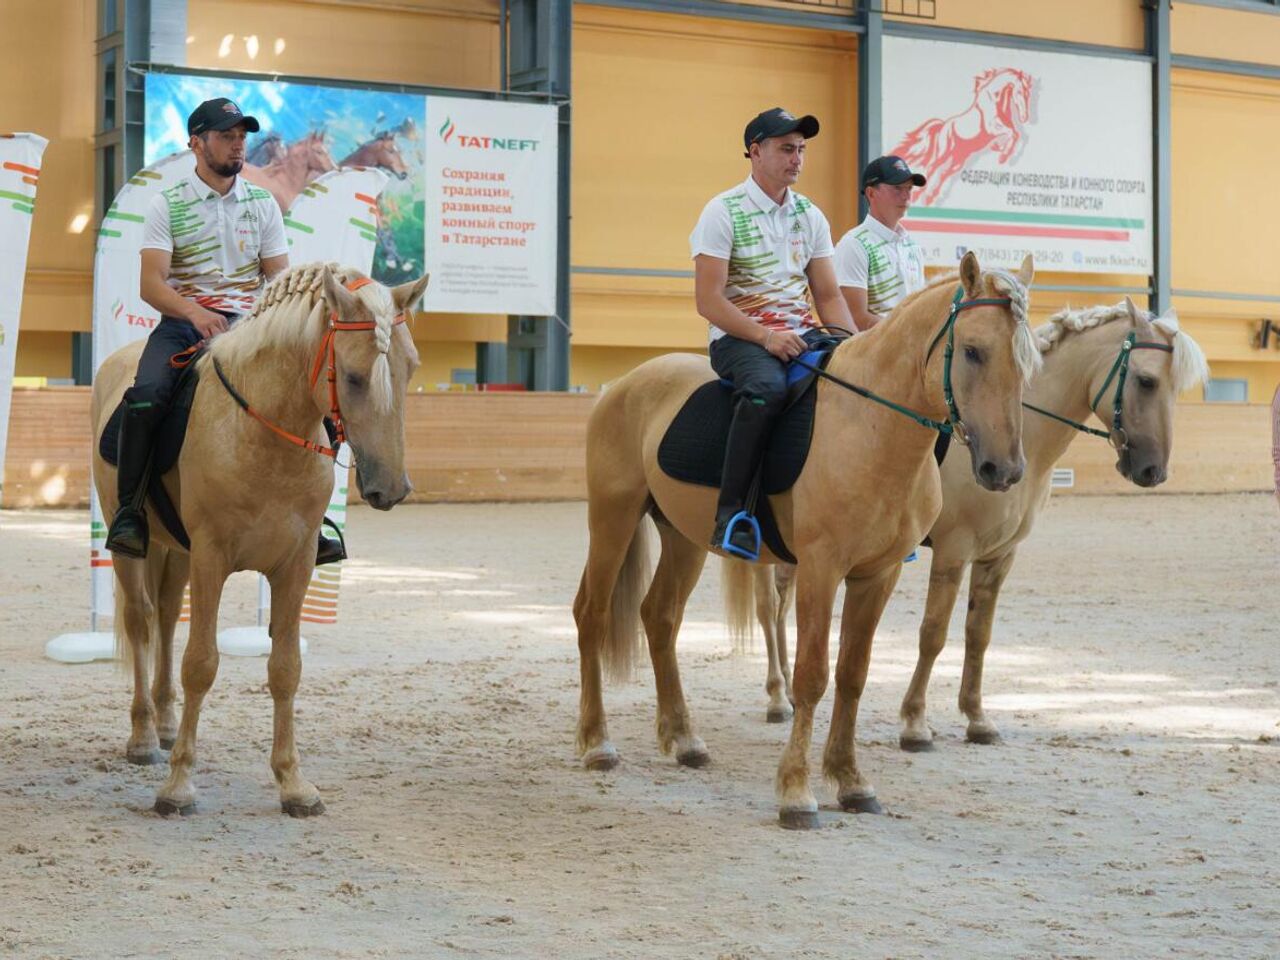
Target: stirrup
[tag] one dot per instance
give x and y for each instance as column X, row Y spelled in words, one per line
column 753, row 525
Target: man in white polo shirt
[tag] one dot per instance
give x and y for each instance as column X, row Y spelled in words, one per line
column 760, row 249
column 877, row 262
column 210, row 244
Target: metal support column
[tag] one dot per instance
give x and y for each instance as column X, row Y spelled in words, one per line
column 129, row 31
column 539, row 46
column 870, row 91
column 1158, row 46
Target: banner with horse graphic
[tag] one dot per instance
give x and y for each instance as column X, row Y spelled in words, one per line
column 20, row 155
column 1024, row 151
column 472, row 191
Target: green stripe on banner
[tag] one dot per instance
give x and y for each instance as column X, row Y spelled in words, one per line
column 24, row 208
column 369, row 236
column 20, row 197
column 104, row 232
column 298, row 226
column 938, row 213
column 362, row 225
column 131, row 217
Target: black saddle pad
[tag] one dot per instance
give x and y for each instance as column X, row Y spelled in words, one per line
column 693, row 447
column 171, row 432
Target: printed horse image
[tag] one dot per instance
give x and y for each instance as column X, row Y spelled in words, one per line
column 867, row 492
column 268, row 149
column 251, row 492
column 381, row 151
column 941, row 148
column 286, row 175
column 1125, row 366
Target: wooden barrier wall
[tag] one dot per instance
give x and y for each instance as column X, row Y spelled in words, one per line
column 527, row 446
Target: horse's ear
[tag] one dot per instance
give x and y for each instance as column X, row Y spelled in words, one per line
column 338, row 296
column 407, row 295
column 1134, row 316
column 1027, row 272
column 971, row 275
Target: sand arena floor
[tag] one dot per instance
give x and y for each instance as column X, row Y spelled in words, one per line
column 1131, row 810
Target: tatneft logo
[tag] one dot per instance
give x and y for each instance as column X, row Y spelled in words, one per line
column 448, row 131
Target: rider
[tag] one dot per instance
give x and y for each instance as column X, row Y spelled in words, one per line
column 210, row 244
column 877, row 262
column 760, row 249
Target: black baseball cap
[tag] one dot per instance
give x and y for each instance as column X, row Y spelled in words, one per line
column 778, row 123
column 218, row 114
column 891, row 170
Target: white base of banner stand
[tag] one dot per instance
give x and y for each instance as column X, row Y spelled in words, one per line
column 81, row 647
column 249, row 642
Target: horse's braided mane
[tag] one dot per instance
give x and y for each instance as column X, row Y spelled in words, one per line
column 1189, row 365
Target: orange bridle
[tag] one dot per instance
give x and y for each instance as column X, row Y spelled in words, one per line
column 326, row 350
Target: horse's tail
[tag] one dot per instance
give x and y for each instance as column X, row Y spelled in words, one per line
column 738, row 590
column 625, row 639
column 919, row 148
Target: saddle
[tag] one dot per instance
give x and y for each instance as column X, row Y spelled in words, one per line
column 166, row 445
column 693, row 448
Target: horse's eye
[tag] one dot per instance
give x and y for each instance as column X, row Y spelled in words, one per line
column 973, row 355
column 1147, row 383
column 355, row 381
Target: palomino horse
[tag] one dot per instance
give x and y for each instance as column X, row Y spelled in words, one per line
column 249, row 500
column 868, row 492
column 287, row 174
column 942, row 147
column 1123, row 365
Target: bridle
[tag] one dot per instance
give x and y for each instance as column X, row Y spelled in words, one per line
column 325, row 352
column 1120, row 373
column 953, row 426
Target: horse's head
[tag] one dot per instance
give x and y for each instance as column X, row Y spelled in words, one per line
column 1010, row 90
column 387, row 155
column 372, row 368
column 316, row 152
column 994, row 355
column 1162, row 362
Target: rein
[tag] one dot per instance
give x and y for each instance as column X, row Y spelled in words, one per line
column 325, row 350
column 1120, row 373
column 953, row 426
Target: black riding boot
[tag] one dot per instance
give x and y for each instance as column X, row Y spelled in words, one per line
column 745, row 446
column 330, row 551
column 128, row 534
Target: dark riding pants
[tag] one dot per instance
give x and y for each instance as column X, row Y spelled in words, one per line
column 156, row 378
column 754, row 372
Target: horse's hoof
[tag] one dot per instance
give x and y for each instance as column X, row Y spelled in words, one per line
column 167, row 808
column 915, row 746
column 860, row 803
column 777, row 714
column 695, row 757
column 145, row 758
column 984, row 737
column 802, row 819
column 603, row 757
column 166, row 743
column 296, row 808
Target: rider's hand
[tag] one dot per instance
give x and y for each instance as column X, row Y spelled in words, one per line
column 207, row 323
column 784, row 344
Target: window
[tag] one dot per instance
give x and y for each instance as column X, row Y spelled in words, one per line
column 1226, row 391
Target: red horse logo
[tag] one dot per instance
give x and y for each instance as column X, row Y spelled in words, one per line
column 993, row 121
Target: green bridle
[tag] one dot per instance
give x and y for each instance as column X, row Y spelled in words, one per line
column 1120, row 373
column 953, row 426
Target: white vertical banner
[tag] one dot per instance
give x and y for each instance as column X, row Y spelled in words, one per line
column 20, row 155
column 490, row 210
column 334, row 219
column 121, row 316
